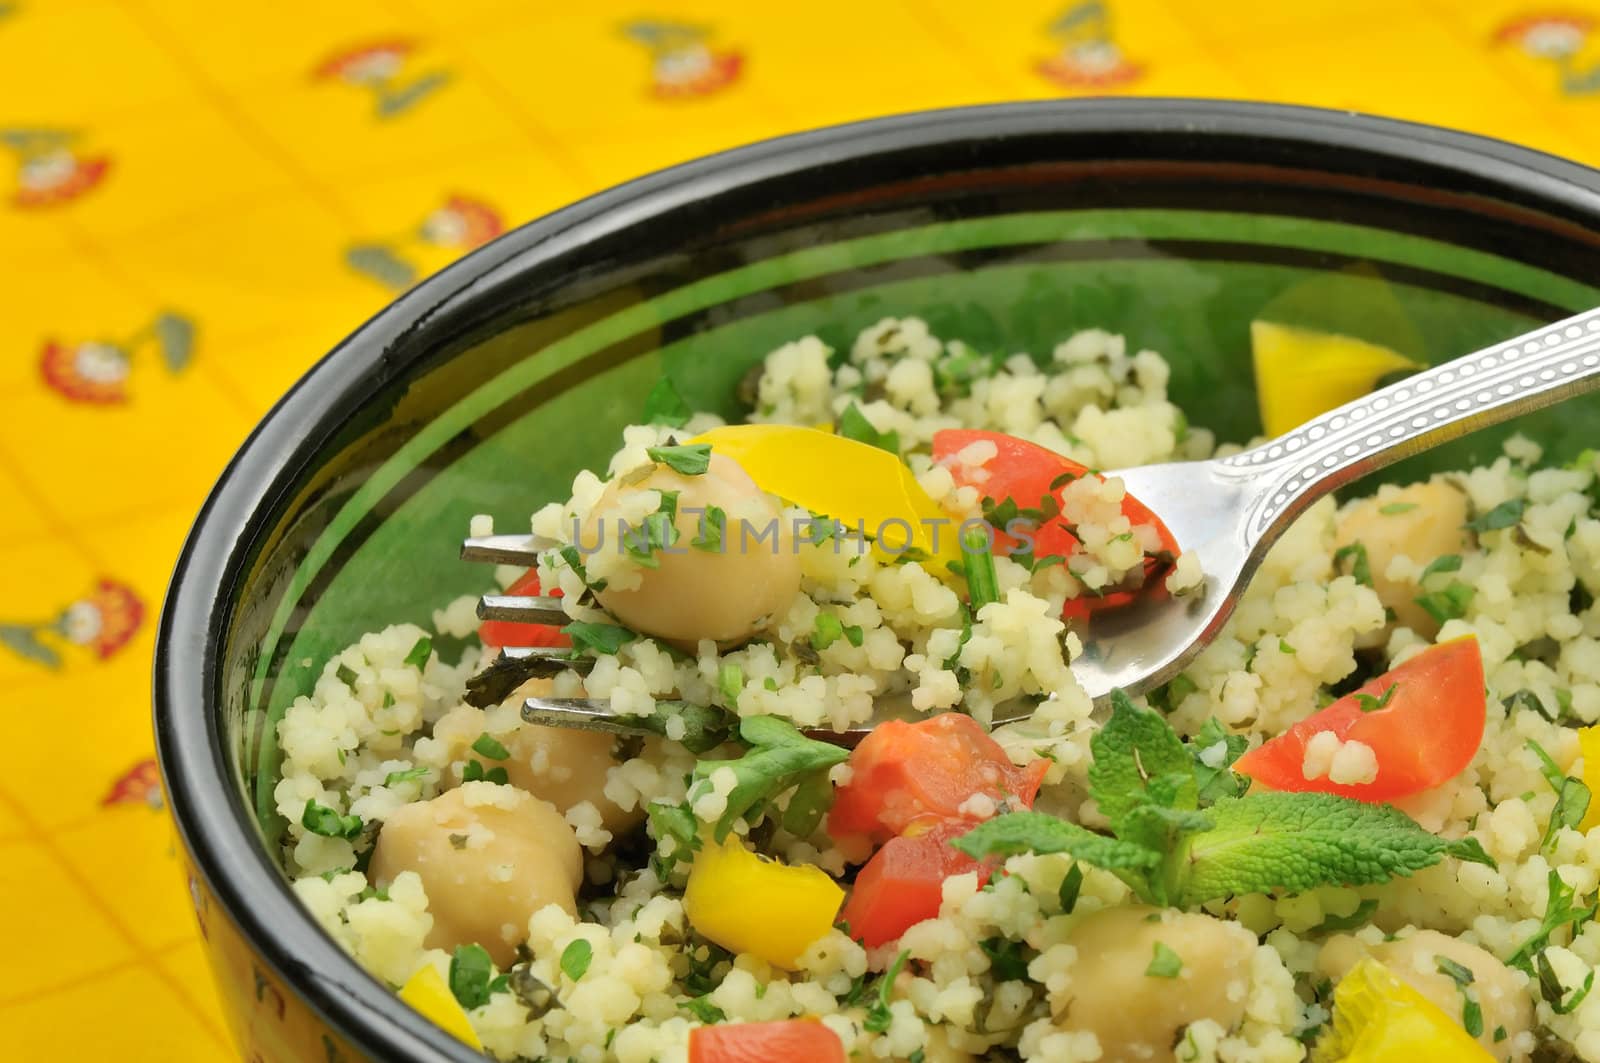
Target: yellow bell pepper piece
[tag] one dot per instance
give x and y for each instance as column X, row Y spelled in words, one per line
column 747, row 903
column 852, row 482
column 427, row 992
column 1377, row 1018
column 1589, row 745
column 1301, row 373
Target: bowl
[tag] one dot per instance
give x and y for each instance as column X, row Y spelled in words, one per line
column 488, row 386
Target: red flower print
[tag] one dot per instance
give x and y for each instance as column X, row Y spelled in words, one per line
column 96, row 372
column 49, row 171
column 682, row 64
column 103, row 621
column 139, row 785
column 378, row 67
column 1546, row 36
column 462, row 224
column 1087, row 57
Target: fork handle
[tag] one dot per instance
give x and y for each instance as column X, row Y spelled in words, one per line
column 1535, row 370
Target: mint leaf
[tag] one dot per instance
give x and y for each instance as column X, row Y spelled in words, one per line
column 488, row 746
column 1135, row 746
column 420, row 650
column 1360, row 566
column 575, row 959
column 687, row 459
column 1038, row 832
column 394, row 778
column 853, row 424
column 1165, row 963
column 780, row 759
column 1560, row 908
column 601, row 638
column 1504, row 515
column 470, row 973
column 1448, row 604
column 1447, row 563
column 665, row 406
column 1298, row 841
column 1356, row 919
column 1214, row 751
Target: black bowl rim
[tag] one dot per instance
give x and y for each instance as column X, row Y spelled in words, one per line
column 217, row 830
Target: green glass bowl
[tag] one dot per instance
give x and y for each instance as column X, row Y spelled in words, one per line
column 486, row 388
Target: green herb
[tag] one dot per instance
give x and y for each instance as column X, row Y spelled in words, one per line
column 770, row 683
column 1554, row 993
column 669, row 506
column 854, row 635
column 1360, row 566
column 808, row 804
column 1394, row 509
column 1071, row 885
column 1448, row 604
column 730, row 680
column 687, row 459
column 655, row 533
column 1006, row 961
column 1164, row 964
column 1504, row 515
column 983, row 584
column 780, row 758
column 324, row 821
column 1458, row 973
column 1358, row 918
column 1214, row 751
column 575, row 959
column 489, row 747
column 678, row 823
column 601, row 638
column 1284, row 647
column 346, row 675
column 1560, row 909
column 713, row 528
column 470, row 973
column 665, row 406
column 919, row 1056
column 421, row 650
column 1171, row 851
column 388, row 699
column 1572, row 796
column 457, row 841
column 474, row 771
column 702, row 1009
column 395, row 778
column 878, row 1015
column 1472, row 1014
column 1368, row 703
column 825, row 631
column 853, row 424
column 1447, row 563
column 1499, row 1034
column 530, row 992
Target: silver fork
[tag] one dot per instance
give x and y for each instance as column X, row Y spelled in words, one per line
column 1228, row 511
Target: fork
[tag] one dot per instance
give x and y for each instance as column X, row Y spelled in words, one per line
column 1227, row 511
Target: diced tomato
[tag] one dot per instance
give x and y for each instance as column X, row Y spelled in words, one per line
column 766, row 1042
column 1024, row 472
column 1427, row 732
column 912, row 776
column 904, row 881
column 496, row 633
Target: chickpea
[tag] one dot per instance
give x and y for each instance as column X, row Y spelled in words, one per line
column 1432, row 528
column 1138, row 1016
column 565, row 766
column 489, row 857
column 1501, row 996
column 726, row 596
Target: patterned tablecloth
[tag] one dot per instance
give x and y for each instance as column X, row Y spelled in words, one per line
column 199, row 199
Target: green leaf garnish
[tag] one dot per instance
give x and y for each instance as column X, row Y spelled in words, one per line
column 879, row 1016
column 665, row 406
column 686, row 459
column 1394, row 509
column 1502, row 516
column 730, row 681
column 1006, row 960
column 601, row 638
column 1360, row 566
column 474, row 771
column 1368, row 703
column 1071, row 885
column 575, row 959
column 853, row 424
column 487, row 746
column 395, row 778
column 1560, row 909
column 324, row 821
column 420, row 651
column 1164, row 963
column 1448, row 604
column 1356, row 919
column 825, row 631
column 983, row 584
column 780, row 758
column 470, row 973
column 1446, row 563
column 712, row 531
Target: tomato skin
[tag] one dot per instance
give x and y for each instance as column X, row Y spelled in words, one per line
column 1427, row 734
column 903, row 883
column 805, row 1040
column 1023, row 472
column 907, row 777
column 496, row 633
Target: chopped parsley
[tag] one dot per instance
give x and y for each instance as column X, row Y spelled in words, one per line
column 324, row 821
column 471, row 970
column 1446, row 563
column 1071, row 884
column 1006, row 959
column 1164, row 963
column 983, row 584
column 1368, row 703
column 853, row 424
column 702, row 1009
column 487, row 746
column 475, row 772
column 730, row 680
column 825, row 631
column 665, row 406
column 878, row 1015
column 713, row 529
column 421, row 650
column 1356, row 919
column 1360, row 566
column 1448, row 604
column 1394, row 509
column 687, row 459
column 575, row 959
column 1502, row 516
column 395, row 778
column 601, row 638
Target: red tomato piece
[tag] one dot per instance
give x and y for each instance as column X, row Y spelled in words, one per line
column 1427, row 732
column 496, row 633
column 908, row 777
column 1023, row 472
column 765, row 1042
column 903, row 883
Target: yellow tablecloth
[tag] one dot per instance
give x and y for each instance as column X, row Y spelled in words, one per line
column 198, row 199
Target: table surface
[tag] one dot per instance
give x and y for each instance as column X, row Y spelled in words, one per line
column 197, row 200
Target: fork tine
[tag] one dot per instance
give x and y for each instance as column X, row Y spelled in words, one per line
column 522, row 609
column 500, row 550
column 548, row 660
column 515, row 666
